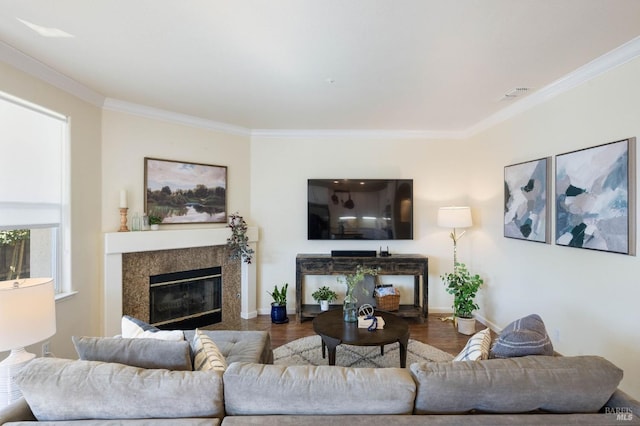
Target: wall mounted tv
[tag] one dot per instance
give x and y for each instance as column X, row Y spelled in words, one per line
column 360, row 209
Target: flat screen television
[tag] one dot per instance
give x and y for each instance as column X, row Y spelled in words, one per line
column 360, row 209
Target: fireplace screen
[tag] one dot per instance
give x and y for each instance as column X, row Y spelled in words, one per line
column 181, row 297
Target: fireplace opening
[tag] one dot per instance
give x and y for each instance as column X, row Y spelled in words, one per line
column 186, row 299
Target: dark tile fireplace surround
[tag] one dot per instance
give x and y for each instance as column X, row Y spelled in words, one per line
column 138, row 267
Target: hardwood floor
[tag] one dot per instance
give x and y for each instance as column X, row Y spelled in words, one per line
column 433, row 331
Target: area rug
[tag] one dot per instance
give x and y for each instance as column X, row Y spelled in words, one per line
column 308, row 350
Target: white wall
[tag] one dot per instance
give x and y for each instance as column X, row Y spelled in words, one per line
column 280, row 168
column 79, row 314
column 588, row 299
column 128, row 139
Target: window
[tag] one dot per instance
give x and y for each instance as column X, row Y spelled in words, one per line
column 34, row 215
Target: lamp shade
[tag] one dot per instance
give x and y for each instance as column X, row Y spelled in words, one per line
column 27, row 312
column 454, row 217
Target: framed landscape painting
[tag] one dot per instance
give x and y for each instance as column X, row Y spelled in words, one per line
column 526, row 213
column 596, row 198
column 182, row 192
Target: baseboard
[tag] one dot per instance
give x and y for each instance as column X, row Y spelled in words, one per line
column 249, row 315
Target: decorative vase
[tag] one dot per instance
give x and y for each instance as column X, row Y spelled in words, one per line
column 279, row 314
column 324, row 305
column 350, row 307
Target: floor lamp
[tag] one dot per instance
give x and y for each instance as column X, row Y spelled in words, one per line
column 27, row 316
column 455, row 217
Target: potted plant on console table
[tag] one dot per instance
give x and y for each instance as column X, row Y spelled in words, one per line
column 279, row 304
column 324, row 295
column 464, row 288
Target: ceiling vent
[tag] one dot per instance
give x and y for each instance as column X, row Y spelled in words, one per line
column 515, row 93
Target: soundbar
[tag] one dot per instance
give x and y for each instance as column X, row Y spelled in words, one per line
column 353, row 253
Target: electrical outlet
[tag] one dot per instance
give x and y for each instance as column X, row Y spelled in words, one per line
column 46, row 349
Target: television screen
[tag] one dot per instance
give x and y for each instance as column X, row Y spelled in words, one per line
column 360, row 209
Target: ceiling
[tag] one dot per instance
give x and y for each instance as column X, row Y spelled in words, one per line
column 410, row 65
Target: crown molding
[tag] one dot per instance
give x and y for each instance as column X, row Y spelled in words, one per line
column 587, row 72
column 357, row 134
column 610, row 60
column 172, row 117
column 39, row 70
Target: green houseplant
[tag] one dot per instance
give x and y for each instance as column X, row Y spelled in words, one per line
column 279, row 304
column 154, row 222
column 324, row 295
column 464, row 287
column 238, row 242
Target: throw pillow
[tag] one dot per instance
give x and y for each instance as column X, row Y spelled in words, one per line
column 143, row 353
column 207, row 356
column 525, row 336
column 477, row 347
column 134, row 328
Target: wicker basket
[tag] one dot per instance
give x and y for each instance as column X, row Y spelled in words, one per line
column 388, row 303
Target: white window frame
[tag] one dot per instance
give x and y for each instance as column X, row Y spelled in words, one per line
column 61, row 248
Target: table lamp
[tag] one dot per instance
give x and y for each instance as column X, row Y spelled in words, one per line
column 454, row 217
column 27, row 316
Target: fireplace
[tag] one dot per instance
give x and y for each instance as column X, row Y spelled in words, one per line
column 186, row 299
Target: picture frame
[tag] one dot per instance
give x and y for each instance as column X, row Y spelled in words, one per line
column 596, row 198
column 182, row 192
column 527, row 213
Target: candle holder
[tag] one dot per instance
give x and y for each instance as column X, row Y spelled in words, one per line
column 123, row 220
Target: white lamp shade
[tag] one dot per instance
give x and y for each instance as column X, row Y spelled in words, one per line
column 454, row 217
column 27, row 312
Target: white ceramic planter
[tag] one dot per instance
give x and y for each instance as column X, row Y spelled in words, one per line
column 466, row 325
column 324, row 305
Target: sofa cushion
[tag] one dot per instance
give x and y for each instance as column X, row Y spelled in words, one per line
column 258, row 389
column 207, row 356
column 144, row 353
column 239, row 345
column 580, row 384
column 135, row 328
column 524, row 336
column 61, row 389
column 477, row 347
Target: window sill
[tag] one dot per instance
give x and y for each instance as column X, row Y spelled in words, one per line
column 65, row 295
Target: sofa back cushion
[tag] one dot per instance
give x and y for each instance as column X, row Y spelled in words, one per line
column 144, row 353
column 61, row 389
column 257, row 389
column 580, row 384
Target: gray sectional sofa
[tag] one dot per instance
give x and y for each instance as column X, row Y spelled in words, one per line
column 523, row 390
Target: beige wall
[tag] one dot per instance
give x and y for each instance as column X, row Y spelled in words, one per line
column 79, row 314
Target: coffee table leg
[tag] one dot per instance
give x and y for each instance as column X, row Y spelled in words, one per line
column 331, row 345
column 403, row 341
column 323, row 349
column 382, row 350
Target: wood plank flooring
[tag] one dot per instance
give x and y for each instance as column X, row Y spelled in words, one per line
column 433, row 331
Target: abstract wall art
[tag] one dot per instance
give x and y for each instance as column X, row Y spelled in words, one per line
column 526, row 213
column 596, row 198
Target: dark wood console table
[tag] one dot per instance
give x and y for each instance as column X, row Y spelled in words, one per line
column 400, row 264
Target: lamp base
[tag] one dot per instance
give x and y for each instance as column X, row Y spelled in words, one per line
column 9, row 367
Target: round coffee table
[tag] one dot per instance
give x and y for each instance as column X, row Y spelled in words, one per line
column 334, row 331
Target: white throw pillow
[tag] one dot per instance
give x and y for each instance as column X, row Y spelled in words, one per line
column 477, row 347
column 207, row 356
column 134, row 328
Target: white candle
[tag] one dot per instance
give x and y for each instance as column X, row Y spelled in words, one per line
column 123, row 198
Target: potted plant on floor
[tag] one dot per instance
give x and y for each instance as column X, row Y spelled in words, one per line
column 279, row 304
column 324, row 295
column 464, row 287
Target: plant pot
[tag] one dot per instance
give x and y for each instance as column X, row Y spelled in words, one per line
column 324, row 305
column 154, row 227
column 466, row 325
column 279, row 314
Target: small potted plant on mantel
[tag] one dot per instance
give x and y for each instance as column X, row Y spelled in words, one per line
column 464, row 288
column 154, row 222
column 279, row 304
column 324, row 295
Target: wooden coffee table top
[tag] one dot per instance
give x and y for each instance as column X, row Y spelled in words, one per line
column 331, row 324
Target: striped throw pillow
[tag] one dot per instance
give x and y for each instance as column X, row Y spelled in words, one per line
column 477, row 347
column 207, row 356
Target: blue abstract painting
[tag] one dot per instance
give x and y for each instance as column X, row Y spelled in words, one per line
column 526, row 215
column 595, row 198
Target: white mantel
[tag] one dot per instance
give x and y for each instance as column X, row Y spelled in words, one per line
column 117, row 243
